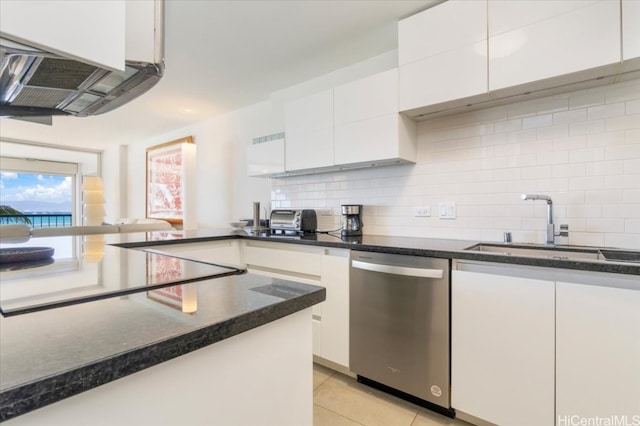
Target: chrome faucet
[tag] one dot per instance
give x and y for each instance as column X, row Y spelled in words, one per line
column 550, row 231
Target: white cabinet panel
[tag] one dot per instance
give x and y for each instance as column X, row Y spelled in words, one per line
column 310, row 150
column 309, row 132
column 335, row 309
column 443, row 54
column 447, row 26
column 366, row 98
column 502, row 349
column 455, row 74
column 368, row 128
column 598, row 348
column 563, row 44
column 225, row 252
column 264, row 159
column 88, row 31
column 310, row 113
column 296, row 261
column 382, row 138
column 630, row 29
column 508, row 15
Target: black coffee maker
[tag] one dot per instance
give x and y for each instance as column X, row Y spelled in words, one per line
column 351, row 221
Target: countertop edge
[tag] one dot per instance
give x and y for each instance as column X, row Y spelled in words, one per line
column 28, row 397
column 581, row 265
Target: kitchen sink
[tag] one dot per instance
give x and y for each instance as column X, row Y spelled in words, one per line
column 621, row 256
column 558, row 252
column 552, row 252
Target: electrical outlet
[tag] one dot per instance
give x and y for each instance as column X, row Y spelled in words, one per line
column 447, row 210
column 323, row 212
column 423, row 211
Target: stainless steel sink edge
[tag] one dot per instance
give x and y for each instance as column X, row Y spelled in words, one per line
column 558, row 252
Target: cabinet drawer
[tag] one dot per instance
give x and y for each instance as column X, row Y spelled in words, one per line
column 279, row 259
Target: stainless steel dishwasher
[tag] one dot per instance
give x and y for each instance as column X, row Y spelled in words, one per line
column 399, row 326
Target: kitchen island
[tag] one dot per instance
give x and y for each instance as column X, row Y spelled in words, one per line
column 204, row 349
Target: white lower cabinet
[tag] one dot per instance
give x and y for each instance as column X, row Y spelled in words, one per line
column 335, row 310
column 502, row 348
column 318, row 266
column 223, row 252
column 597, row 353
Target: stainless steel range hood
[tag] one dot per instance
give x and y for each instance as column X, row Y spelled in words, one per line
column 38, row 83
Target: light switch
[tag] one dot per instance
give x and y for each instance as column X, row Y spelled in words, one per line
column 447, row 210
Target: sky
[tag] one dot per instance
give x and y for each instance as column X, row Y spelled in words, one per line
column 20, row 189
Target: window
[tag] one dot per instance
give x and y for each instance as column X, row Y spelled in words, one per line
column 43, row 191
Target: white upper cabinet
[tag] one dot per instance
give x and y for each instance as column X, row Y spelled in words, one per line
column 368, row 128
column 442, row 53
column 353, row 125
column 536, row 40
column 266, row 158
column 87, row 31
column 309, row 132
column 366, row 98
column 630, row 29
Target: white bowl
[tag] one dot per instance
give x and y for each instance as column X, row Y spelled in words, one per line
column 238, row 225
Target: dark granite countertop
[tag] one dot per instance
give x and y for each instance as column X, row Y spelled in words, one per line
column 51, row 354
column 430, row 247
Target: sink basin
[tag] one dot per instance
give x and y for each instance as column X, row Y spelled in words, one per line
column 621, row 256
column 537, row 251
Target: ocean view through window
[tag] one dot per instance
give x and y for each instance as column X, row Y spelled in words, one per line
column 45, row 199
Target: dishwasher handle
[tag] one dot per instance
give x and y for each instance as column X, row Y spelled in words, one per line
column 398, row 270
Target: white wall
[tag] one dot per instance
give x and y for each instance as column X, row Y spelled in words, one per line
column 223, row 190
column 581, row 148
column 225, row 193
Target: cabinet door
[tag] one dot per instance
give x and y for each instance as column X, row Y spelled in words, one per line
column 265, row 158
column 502, row 348
column 225, row 252
column 598, row 351
column 366, row 98
column 287, row 261
column 87, row 31
column 535, row 40
column 443, row 54
column 309, row 132
column 335, row 309
column 630, row 29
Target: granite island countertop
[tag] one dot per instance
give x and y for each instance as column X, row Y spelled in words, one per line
column 56, row 352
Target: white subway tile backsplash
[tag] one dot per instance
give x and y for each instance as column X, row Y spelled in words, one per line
column 605, row 225
column 625, row 240
column 628, row 122
column 603, row 196
column 572, row 116
column 633, row 107
column 536, row 121
column 586, row 155
column 581, row 148
column 606, row 111
column 587, row 127
column 583, row 99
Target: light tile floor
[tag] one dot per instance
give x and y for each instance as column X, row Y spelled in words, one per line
column 339, row 400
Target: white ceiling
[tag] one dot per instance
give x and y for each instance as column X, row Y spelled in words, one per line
column 223, row 55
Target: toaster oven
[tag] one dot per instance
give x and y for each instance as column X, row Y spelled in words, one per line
column 293, row 222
